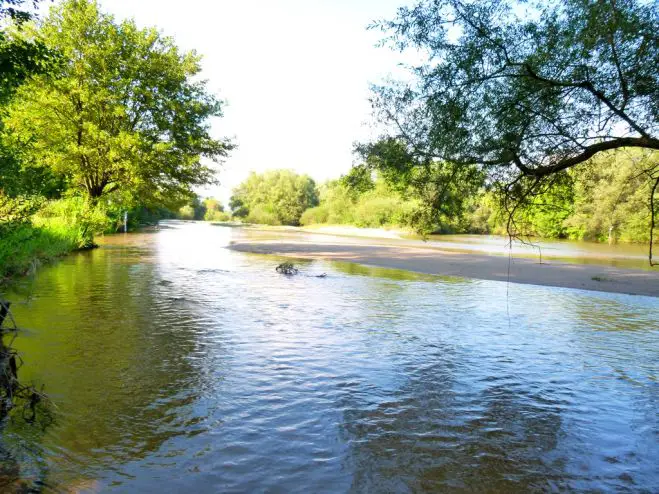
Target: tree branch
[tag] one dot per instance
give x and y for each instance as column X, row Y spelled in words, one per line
column 587, row 153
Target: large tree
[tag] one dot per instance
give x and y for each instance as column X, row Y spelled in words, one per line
column 20, row 58
column 523, row 89
column 126, row 112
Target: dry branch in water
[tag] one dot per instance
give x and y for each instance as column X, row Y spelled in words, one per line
column 287, row 268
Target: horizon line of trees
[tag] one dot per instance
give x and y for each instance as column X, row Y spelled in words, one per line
column 604, row 199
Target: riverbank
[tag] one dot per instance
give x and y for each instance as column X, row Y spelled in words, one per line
column 25, row 248
column 449, row 263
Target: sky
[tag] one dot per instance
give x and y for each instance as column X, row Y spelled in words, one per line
column 295, row 75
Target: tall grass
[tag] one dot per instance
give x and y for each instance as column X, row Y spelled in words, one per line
column 58, row 228
column 22, row 249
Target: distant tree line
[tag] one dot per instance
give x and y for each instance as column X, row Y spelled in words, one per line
column 604, row 199
column 276, row 197
column 209, row 209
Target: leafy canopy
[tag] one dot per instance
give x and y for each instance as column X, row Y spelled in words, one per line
column 526, row 87
column 126, row 113
column 277, row 197
column 442, row 189
column 19, row 57
column 523, row 90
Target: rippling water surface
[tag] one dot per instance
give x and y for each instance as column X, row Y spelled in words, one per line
column 177, row 365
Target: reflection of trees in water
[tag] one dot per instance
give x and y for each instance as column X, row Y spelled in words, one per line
column 395, row 274
column 436, row 435
column 115, row 354
column 19, row 404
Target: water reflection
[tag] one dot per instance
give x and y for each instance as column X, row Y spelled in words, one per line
column 435, row 437
column 115, row 352
column 178, row 365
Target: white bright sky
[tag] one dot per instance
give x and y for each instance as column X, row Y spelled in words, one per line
column 295, row 74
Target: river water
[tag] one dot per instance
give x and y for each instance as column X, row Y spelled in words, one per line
column 177, row 365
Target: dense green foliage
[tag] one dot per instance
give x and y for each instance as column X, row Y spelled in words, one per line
column 611, row 197
column 604, row 199
column 123, row 114
column 443, row 190
column 376, row 207
column 522, row 90
column 276, row 197
column 209, row 209
column 540, row 86
column 98, row 118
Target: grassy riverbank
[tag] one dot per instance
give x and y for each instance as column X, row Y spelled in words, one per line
column 50, row 234
column 57, row 228
column 24, row 248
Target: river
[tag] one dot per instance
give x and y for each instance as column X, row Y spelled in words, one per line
column 177, row 365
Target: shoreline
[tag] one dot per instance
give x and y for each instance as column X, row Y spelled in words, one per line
column 465, row 265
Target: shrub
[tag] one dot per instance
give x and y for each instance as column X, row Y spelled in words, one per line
column 58, row 228
column 262, row 216
column 186, row 213
column 377, row 211
column 74, row 217
column 312, row 216
column 24, row 247
column 215, row 215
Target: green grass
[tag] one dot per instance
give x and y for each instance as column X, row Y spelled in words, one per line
column 26, row 247
column 58, row 228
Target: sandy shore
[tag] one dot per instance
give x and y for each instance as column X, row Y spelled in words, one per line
column 434, row 261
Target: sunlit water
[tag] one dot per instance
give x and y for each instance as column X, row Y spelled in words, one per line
column 622, row 255
column 177, row 365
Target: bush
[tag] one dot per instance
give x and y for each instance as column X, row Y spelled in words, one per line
column 25, row 247
column 215, row 215
column 57, row 229
column 375, row 212
column 73, row 217
column 262, row 216
column 340, row 203
column 186, row 213
column 313, row 216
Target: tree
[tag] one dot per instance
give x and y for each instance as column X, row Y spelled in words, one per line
column 125, row 114
column 19, row 58
column 443, row 188
column 611, row 197
column 274, row 197
column 237, row 204
column 214, row 210
column 524, row 89
column 213, row 204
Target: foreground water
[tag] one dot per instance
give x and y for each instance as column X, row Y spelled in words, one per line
column 177, row 365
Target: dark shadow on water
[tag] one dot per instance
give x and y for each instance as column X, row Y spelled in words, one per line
column 432, row 436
